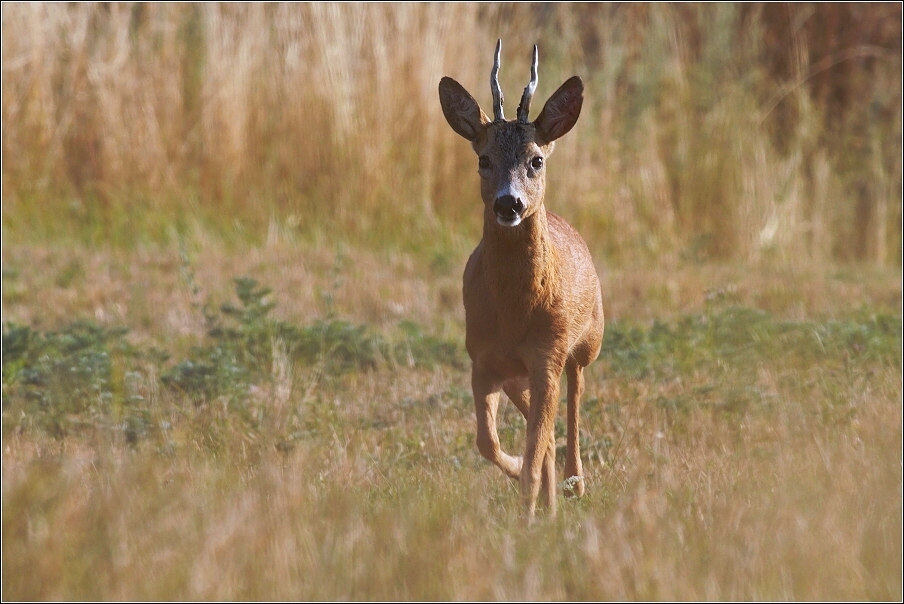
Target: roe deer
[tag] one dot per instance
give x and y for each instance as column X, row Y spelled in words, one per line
column 532, row 297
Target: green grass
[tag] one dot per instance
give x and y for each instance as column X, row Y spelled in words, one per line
column 87, row 373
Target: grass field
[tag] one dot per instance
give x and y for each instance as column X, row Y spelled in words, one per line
column 741, row 435
column 233, row 336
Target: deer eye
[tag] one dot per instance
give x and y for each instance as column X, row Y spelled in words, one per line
column 483, row 162
column 536, row 163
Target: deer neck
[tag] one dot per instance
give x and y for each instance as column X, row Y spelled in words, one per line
column 521, row 262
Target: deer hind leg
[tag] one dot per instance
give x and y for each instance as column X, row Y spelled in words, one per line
column 574, row 471
column 486, row 403
column 518, row 390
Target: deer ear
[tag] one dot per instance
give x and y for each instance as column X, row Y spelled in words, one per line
column 561, row 111
column 461, row 110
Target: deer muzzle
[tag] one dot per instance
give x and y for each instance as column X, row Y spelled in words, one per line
column 508, row 210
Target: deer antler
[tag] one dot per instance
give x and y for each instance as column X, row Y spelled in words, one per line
column 494, row 84
column 524, row 107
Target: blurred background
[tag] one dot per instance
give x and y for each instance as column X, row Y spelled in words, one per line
column 754, row 132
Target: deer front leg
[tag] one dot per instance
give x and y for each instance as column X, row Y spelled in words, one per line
column 539, row 467
column 574, row 471
column 548, row 478
column 518, row 390
column 486, row 403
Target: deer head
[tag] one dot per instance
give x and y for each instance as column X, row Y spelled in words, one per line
column 512, row 154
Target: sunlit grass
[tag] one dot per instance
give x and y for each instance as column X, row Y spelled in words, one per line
column 721, row 131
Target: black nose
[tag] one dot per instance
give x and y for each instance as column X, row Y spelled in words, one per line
column 508, row 207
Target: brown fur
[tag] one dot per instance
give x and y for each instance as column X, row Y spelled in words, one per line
column 531, row 293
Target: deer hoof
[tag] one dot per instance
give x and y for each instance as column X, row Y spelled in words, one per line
column 573, row 486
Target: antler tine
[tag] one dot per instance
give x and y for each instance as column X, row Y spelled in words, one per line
column 524, row 107
column 494, row 84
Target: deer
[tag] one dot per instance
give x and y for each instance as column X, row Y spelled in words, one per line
column 531, row 293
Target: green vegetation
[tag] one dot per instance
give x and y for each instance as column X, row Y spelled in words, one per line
column 86, row 373
column 243, row 353
column 741, row 337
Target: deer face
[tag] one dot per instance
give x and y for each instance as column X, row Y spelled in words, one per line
column 512, row 168
column 511, row 155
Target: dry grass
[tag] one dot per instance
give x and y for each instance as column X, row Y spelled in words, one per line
column 721, row 131
column 46, row 285
column 769, row 475
column 703, row 507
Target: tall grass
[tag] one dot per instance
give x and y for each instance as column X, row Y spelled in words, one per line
column 713, row 131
